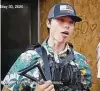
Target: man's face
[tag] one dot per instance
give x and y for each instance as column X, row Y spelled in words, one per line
column 61, row 28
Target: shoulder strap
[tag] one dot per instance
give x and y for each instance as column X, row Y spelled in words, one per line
column 42, row 52
column 46, row 62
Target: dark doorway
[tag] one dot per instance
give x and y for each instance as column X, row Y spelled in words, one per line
column 19, row 28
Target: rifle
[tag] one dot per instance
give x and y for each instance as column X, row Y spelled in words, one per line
column 24, row 71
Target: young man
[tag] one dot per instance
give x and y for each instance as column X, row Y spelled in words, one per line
column 60, row 23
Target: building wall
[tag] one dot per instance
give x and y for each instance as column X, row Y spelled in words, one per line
column 86, row 34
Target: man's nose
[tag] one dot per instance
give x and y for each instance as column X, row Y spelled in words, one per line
column 66, row 25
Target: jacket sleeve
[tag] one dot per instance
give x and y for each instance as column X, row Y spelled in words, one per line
column 86, row 73
column 15, row 82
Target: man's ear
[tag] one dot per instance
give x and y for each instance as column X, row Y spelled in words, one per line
column 48, row 23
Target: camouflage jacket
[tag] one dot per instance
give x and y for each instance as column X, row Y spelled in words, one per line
column 15, row 82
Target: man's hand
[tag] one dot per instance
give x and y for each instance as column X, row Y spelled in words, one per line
column 45, row 86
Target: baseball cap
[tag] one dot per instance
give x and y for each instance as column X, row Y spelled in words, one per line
column 63, row 9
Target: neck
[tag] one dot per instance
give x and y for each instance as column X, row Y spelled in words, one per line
column 56, row 45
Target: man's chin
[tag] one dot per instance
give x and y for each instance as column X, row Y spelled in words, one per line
column 62, row 40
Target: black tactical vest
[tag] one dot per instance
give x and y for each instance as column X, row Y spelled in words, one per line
column 65, row 76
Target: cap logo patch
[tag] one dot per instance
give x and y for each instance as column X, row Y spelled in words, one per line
column 63, row 7
column 66, row 8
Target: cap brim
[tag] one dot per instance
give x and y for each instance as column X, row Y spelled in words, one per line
column 74, row 18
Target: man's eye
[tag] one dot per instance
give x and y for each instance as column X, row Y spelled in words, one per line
column 62, row 20
column 72, row 22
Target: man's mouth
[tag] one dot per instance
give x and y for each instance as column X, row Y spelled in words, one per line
column 65, row 33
